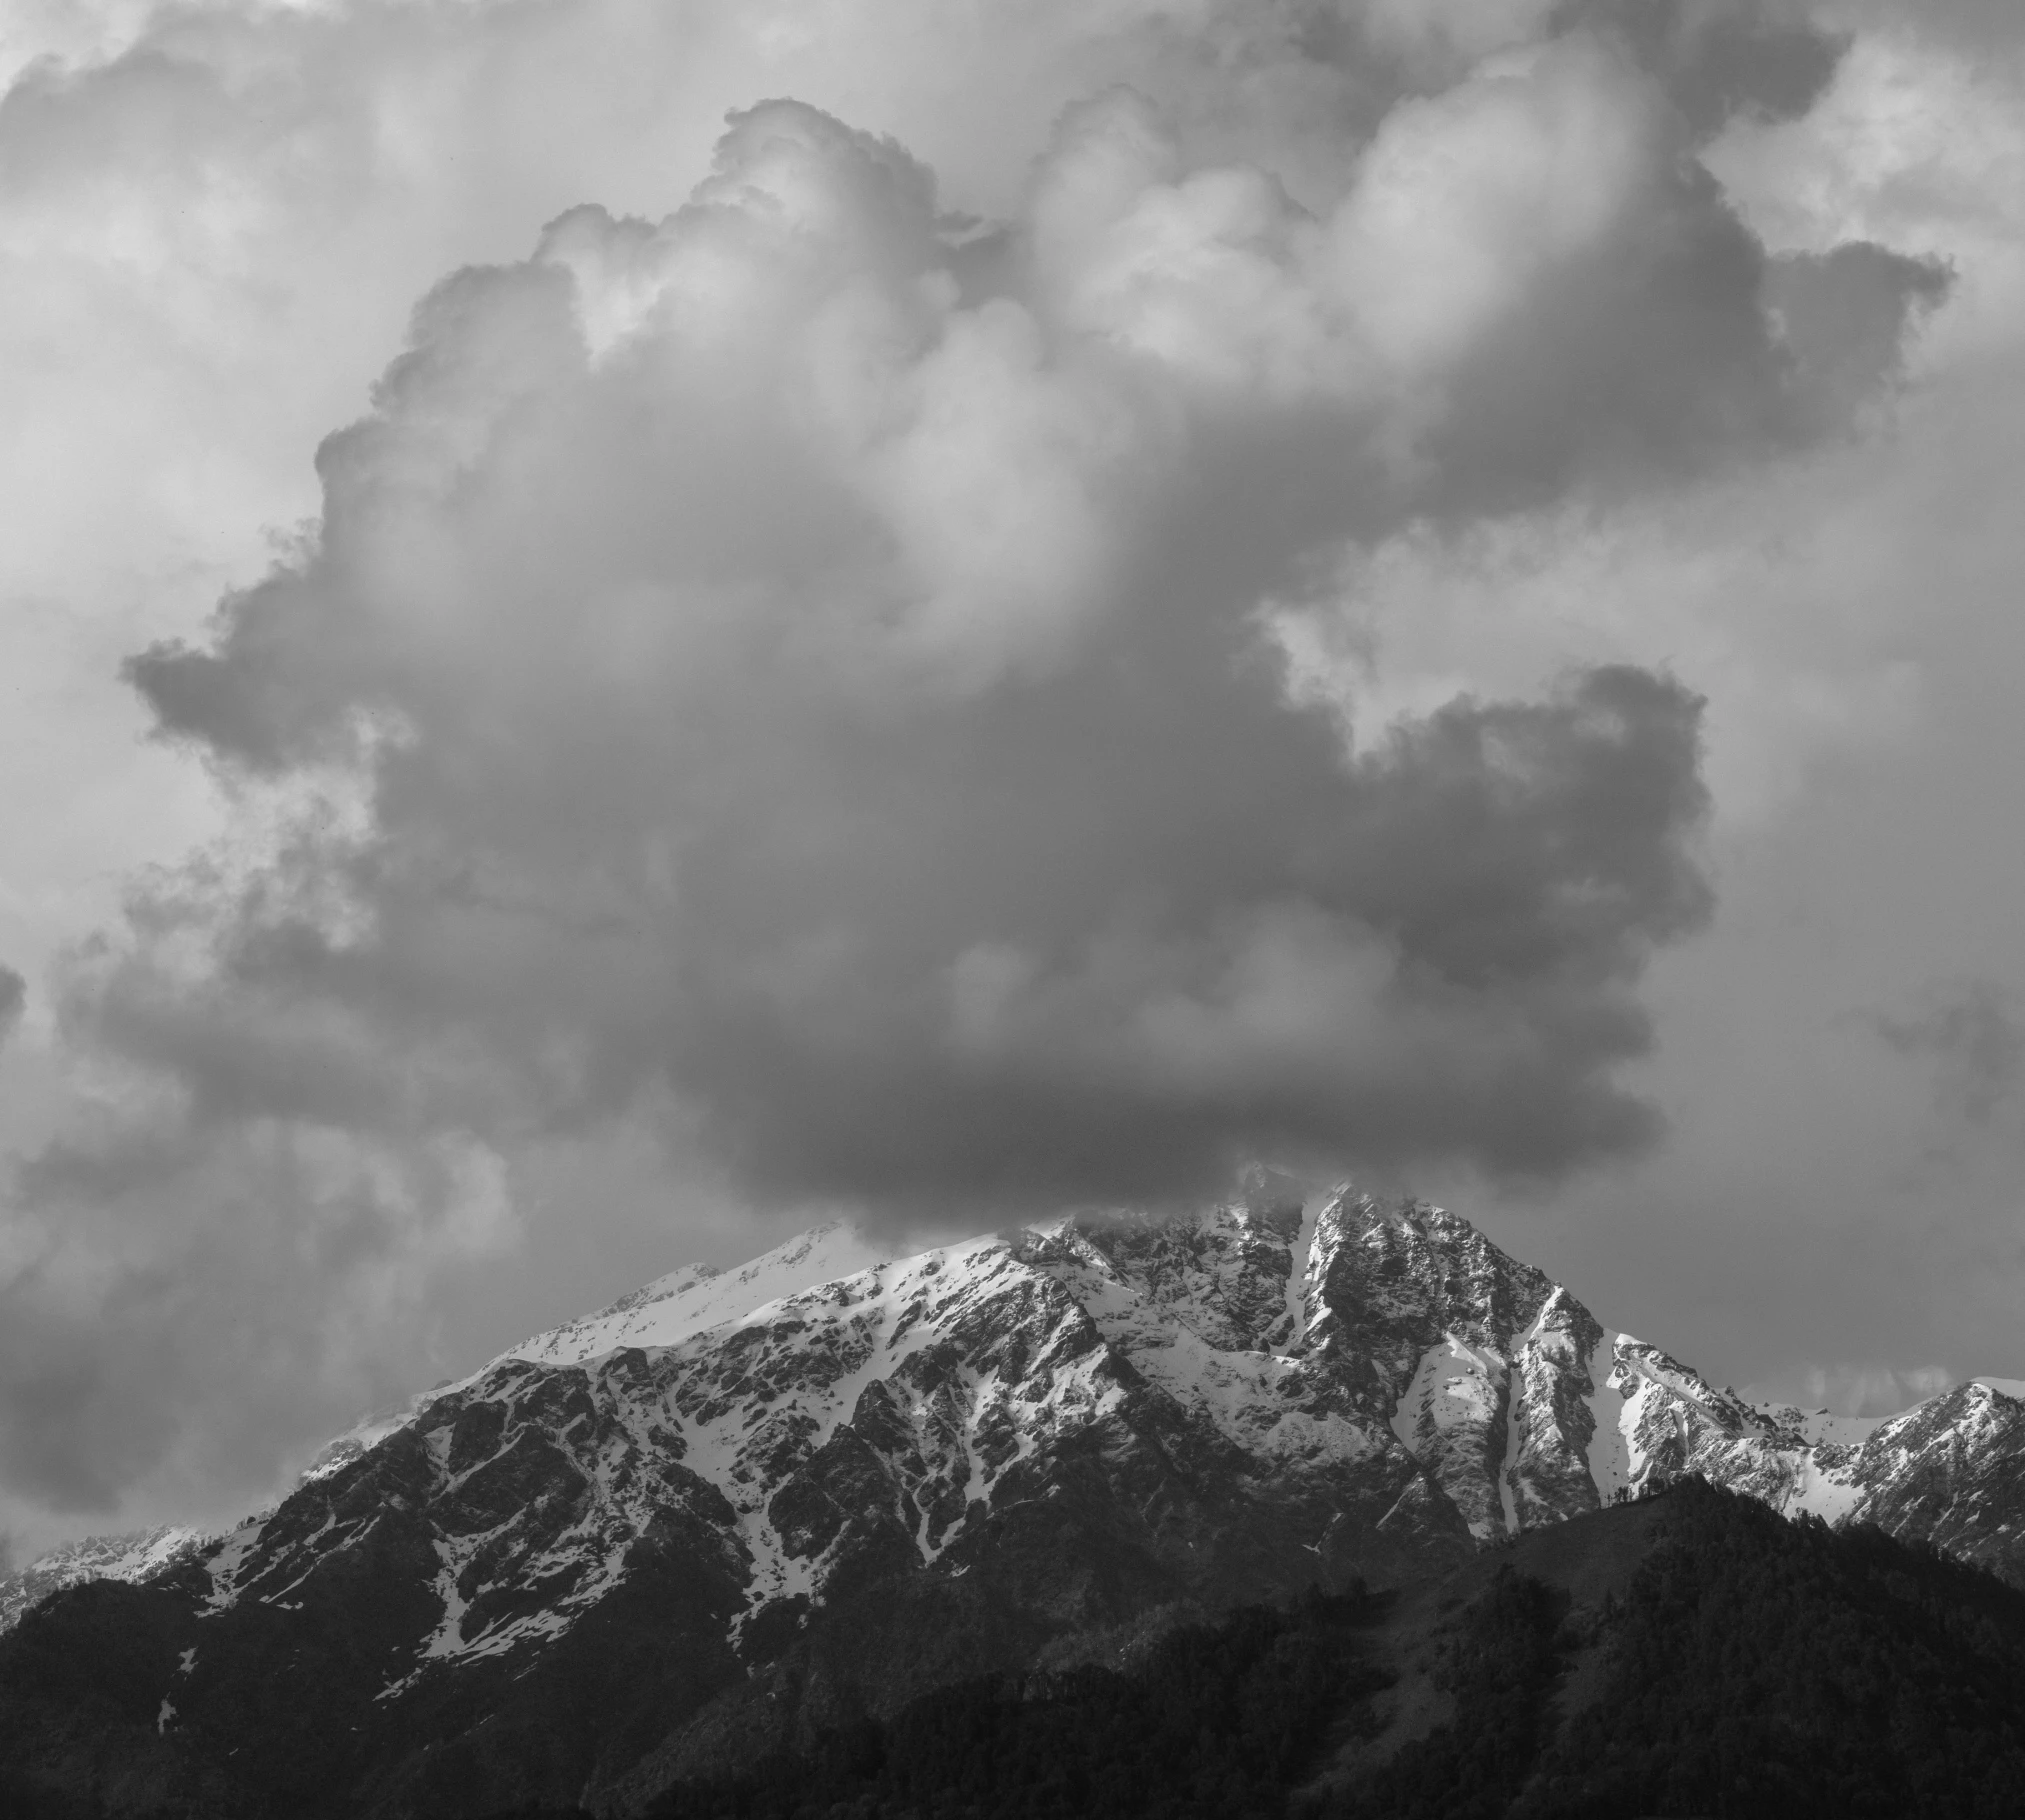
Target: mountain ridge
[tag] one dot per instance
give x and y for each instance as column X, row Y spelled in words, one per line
column 740, row 1506
column 1453, row 1387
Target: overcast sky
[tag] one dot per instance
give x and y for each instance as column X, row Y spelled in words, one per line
column 632, row 622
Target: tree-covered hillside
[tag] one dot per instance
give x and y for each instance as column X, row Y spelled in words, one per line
column 1689, row 1655
column 1748, row 1667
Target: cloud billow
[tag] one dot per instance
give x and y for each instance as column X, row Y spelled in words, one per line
column 813, row 674
column 794, row 671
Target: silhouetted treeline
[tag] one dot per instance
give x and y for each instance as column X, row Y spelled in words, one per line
column 1214, row 1726
column 1761, row 1667
column 1753, row 1668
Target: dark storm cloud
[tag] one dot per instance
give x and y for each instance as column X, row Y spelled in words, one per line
column 1972, row 1035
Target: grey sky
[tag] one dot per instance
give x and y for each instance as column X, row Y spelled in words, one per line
column 1076, row 594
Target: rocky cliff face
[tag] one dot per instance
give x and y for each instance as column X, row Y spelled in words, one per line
column 736, row 1506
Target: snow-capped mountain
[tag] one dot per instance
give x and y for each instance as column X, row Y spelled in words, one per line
column 137, row 1555
column 737, row 1505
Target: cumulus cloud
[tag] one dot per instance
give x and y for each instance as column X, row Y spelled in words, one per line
column 815, row 674
column 13, row 1000
column 793, row 674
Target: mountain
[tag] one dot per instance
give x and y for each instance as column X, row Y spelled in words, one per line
column 137, row 1555
column 1689, row 1653
column 1696, row 1655
column 738, row 1508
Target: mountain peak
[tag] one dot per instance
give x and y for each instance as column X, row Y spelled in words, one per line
column 701, row 1296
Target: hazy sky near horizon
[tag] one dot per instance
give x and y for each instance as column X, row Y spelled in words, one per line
column 630, row 624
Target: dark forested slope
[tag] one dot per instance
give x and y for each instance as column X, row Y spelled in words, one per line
column 1689, row 1654
column 1692, row 1655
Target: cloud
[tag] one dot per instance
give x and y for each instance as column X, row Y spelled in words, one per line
column 1714, row 59
column 1723, row 58
column 1981, row 27
column 1844, row 315
column 808, row 678
column 13, row 1001
column 800, row 666
column 1873, row 1390
column 277, row 1274
column 834, row 690
column 1972, row 1034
